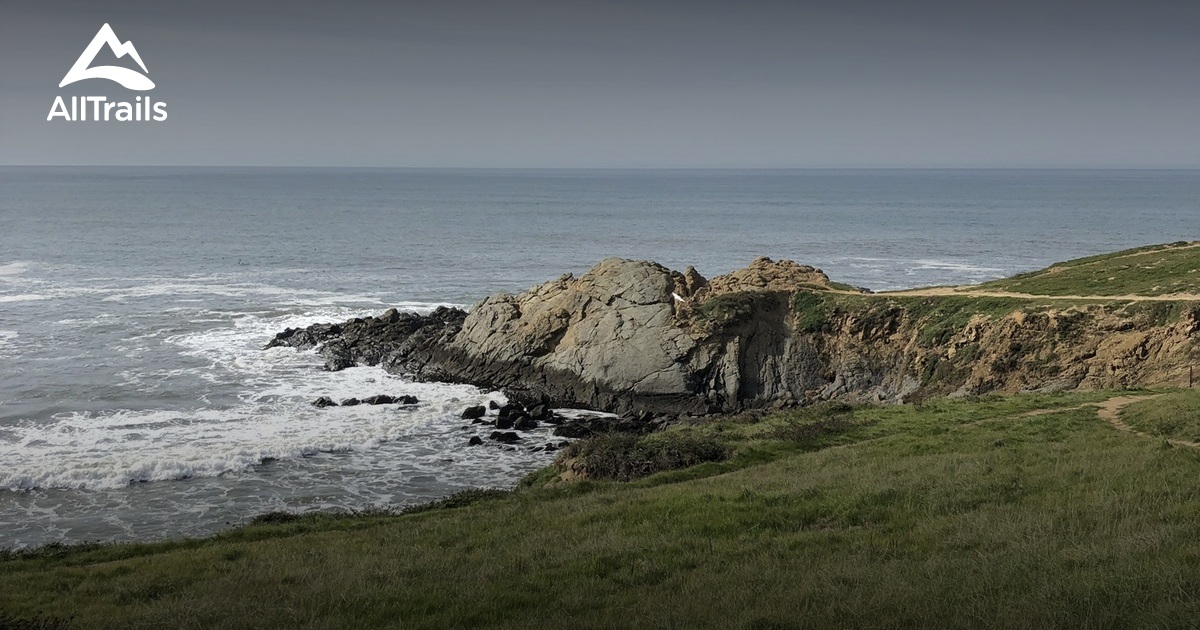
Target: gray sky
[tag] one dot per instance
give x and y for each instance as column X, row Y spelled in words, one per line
column 566, row 83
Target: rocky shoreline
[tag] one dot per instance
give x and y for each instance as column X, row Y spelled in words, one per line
column 635, row 338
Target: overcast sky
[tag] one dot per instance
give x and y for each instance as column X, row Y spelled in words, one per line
column 565, row 83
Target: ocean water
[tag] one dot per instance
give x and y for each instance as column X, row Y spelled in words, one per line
column 136, row 401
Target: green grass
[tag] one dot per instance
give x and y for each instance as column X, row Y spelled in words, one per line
column 954, row 514
column 1173, row 415
column 810, row 312
column 733, row 308
column 940, row 318
column 1149, row 271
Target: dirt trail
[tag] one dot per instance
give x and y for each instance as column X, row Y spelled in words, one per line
column 1110, row 410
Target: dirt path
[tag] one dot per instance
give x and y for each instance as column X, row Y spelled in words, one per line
column 1110, row 410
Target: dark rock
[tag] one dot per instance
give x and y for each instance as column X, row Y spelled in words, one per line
column 369, row 340
column 407, row 400
column 524, row 423
column 350, row 402
column 587, row 426
column 510, row 410
column 324, row 402
column 505, row 422
column 475, row 441
column 539, row 412
column 493, row 405
column 481, row 421
column 338, row 363
column 506, row 437
column 574, row 430
column 379, row 399
column 471, row 413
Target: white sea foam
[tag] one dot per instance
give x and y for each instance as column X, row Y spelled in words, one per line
column 272, row 417
column 112, row 449
column 15, row 268
column 24, row 297
column 926, row 264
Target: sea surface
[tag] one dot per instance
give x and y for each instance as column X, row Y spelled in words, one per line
column 136, row 401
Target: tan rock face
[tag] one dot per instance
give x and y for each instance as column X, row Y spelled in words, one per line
column 765, row 274
column 632, row 335
column 614, row 328
column 626, row 335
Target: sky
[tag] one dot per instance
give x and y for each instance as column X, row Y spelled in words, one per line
column 618, row 84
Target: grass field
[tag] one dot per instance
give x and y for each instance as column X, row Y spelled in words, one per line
column 1173, row 415
column 1148, row 271
column 1021, row 512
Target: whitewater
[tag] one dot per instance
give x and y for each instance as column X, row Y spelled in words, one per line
column 137, row 401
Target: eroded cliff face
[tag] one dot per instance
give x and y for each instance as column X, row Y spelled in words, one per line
column 631, row 335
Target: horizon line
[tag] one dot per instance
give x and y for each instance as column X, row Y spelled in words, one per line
column 620, row 168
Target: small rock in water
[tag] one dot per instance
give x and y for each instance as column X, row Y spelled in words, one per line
column 507, row 437
column 350, row 402
column 475, row 441
column 471, row 413
column 379, row 399
column 493, row 405
column 504, row 422
column 324, row 402
column 524, row 423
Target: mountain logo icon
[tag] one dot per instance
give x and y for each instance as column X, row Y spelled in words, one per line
column 128, row 78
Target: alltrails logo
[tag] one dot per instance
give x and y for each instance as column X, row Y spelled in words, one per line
column 101, row 109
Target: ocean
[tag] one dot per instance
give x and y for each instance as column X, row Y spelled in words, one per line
column 136, row 402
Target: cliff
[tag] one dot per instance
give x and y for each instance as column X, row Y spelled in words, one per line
column 634, row 335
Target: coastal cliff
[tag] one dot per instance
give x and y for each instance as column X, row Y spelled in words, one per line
column 634, row 335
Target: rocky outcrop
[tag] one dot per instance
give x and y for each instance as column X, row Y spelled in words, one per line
column 633, row 335
column 368, row 340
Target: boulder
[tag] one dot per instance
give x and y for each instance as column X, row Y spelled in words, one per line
column 472, row 413
column 475, row 441
column 323, row 402
column 524, row 423
column 505, row 437
column 350, row 402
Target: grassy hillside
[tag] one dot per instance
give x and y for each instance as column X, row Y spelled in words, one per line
column 1174, row 415
column 1148, row 271
column 1028, row 511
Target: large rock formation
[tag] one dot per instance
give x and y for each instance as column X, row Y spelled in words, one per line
column 631, row 335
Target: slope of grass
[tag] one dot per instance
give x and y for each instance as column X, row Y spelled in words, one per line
column 1173, row 415
column 956, row 514
column 1149, row 271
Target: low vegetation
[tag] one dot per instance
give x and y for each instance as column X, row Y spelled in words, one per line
column 1149, row 271
column 624, row 457
column 1173, row 415
column 1026, row 511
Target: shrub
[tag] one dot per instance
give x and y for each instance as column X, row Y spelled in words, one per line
column 624, row 457
column 811, row 425
column 810, row 312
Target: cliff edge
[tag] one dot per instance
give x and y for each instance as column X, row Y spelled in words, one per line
column 634, row 335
